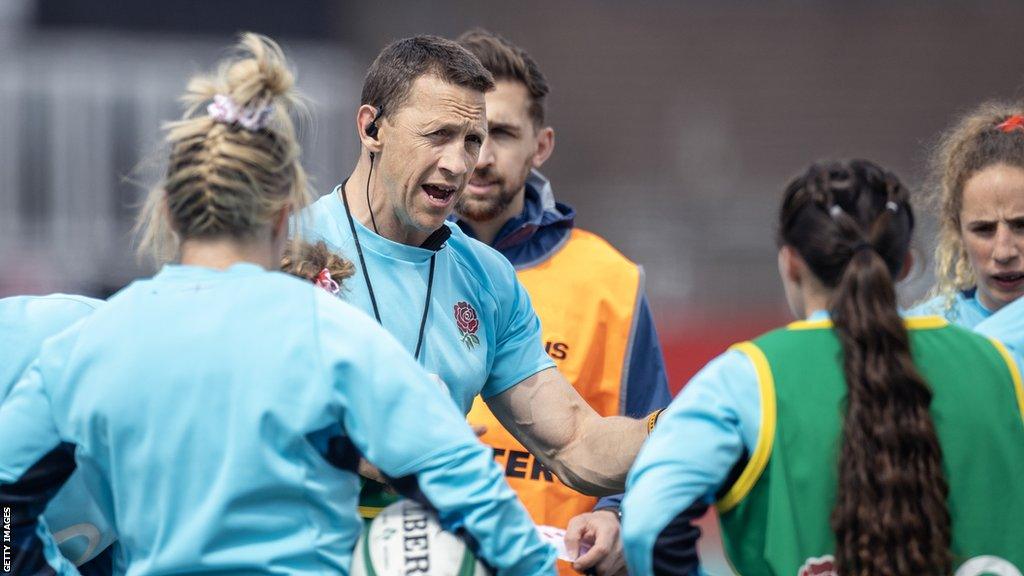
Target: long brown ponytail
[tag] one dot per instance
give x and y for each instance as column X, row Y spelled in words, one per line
column 851, row 222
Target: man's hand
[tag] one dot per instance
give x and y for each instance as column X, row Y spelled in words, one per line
column 367, row 470
column 600, row 531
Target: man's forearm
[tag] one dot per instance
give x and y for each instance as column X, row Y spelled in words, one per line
column 597, row 460
column 589, row 453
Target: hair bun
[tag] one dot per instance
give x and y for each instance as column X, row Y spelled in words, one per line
column 260, row 74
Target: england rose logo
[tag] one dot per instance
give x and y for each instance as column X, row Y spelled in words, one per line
column 468, row 323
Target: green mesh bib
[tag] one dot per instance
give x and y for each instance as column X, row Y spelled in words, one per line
column 775, row 517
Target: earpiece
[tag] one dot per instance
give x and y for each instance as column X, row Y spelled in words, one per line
column 371, row 129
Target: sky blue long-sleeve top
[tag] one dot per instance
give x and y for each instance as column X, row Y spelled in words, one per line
column 25, row 322
column 1005, row 324
column 223, row 414
column 963, row 310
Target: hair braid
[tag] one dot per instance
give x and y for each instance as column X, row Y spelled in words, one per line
column 851, row 222
column 224, row 179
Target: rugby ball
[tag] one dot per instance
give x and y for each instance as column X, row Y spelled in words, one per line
column 406, row 538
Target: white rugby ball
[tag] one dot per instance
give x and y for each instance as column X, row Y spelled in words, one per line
column 406, row 539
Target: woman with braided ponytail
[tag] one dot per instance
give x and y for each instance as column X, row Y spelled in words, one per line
column 852, row 442
column 220, row 409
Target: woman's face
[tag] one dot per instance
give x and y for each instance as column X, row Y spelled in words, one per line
column 992, row 228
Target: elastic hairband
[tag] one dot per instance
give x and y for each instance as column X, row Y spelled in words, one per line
column 324, row 280
column 862, row 245
column 225, row 110
column 1015, row 122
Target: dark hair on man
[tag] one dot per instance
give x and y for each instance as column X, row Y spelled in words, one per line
column 400, row 63
column 506, row 61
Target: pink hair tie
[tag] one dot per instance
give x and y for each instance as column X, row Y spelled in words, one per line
column 324, row 280
column 226, row 111
column 1015, row 122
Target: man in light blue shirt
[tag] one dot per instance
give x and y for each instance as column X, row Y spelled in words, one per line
column 453, row 302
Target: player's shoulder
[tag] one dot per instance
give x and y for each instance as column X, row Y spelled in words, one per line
column 476, row 256
column 57, row 301
column 484, row 269
column 319, row 220
column 321, row 207
column 39, row 311
column 940, row 305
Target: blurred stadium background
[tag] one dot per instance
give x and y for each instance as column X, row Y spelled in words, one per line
column 678, row 122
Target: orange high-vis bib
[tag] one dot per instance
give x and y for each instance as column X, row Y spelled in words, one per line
column 586, row 295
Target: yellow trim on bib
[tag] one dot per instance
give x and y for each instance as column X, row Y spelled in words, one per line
column 912, row 323
column 765, row 436
column 1018, row 387
column 369, row 512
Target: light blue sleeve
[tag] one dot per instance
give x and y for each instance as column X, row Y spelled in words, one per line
column 29, row 437
column 703, row 433
column 395, row 417
column 54, row 557
column 26, row 321
column 519, row 350
column 26, row 425
column 1006, row 325
column 80, row 526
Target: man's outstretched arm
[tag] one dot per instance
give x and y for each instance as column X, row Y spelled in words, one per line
column 588, row 452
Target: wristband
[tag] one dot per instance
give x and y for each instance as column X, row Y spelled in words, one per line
column 652, row 420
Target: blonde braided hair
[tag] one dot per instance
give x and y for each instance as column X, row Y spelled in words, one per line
column 223, row 178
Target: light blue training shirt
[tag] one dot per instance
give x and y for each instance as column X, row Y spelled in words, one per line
column 1005, row 324
column 25, row 322
column 223, row 413
column 471, row 280
column 964, row 310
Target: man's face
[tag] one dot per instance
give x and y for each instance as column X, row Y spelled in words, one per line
column 506, row 157
column 428, row 149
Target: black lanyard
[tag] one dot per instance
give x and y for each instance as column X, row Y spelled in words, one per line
column 369, row 285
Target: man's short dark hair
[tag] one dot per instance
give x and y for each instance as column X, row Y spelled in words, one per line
column 506, row 61
column 399, row 64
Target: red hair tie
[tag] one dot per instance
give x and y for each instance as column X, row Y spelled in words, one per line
column 1015, row 122
column 324, row 280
